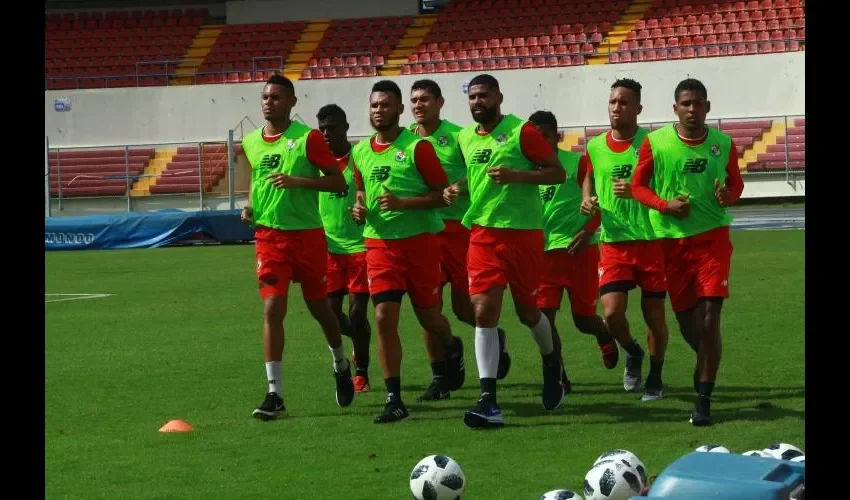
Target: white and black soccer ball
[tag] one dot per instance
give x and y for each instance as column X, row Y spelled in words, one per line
column 611, row 480
column 630, row 459
column 801, row 459
column 756, row 453
column 561, row 495
column 437, row 477
column 783, row 451
column 713, row 448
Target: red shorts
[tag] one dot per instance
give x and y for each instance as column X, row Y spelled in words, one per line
column 502, row 257
column 409, row 264
column 454, row 245
column 640, row 263
column 347, row 273
column 698, row 266
column 284, row 256
column 575, row 273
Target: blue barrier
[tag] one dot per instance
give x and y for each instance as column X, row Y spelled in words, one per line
column 143, row 229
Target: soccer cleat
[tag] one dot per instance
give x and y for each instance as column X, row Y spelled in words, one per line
column 394, row 411
column 504, row 357
column 455, row 369
column 361, row 384
column 654, row 389
column 632, row 373
column 344, row 387
column 271, row 409
column 610, row 354
column 553, row 391
column 701, row 414
column 437, row 391
column 484, row 415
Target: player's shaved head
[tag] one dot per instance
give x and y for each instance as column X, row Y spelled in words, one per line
column 628, row 83
column 278, row 98
column 547, row 124
column 485, row 99
column 624, row 107
column 691, row 105
column 690, row 84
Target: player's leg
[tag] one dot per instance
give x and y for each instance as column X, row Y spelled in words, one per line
column 523, row 258
column 616, row 279
column 438, row 389
column 486, row 288
column 387, row 270
column 423, row 284
column 549, row 295
column 310, row 269
column 360, row 329
column 337, row 289
column 679, row 272
column 651, row 280
column 361, row 336
column 274, row 275
column 713, row 259
column 583, row 289
column 387, row 309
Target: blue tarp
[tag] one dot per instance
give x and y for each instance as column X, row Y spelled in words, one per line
column 142, row 229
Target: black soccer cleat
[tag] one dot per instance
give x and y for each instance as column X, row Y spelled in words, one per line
column 437, row 391
column 455, row 368
column 553, row 391
column 344, row 387
column 394, row 411
column 701, row 414
column 504, row 357
column 271, row 409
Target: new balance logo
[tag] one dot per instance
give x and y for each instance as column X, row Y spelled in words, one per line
column 695, row 166
column 547, row 194
column 380, row 174
column 622, row 172
column 482, row 156
column 270, row 162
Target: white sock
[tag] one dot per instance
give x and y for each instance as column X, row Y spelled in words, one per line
column 273, row 374
column 487, row 352
column 542, row 333
column 340, row 363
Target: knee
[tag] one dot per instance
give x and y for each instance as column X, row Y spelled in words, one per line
column 584, row 324
column 274, row 310
column 383, row 320
column 654, row 317
column 431, row 320
column 528, row 316
column 614, row 315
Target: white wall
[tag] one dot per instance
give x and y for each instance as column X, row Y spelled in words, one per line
column 270, row 11
column 739, row 87
column 215, row 9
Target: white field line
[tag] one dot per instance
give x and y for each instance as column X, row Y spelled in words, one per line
column 73, row 296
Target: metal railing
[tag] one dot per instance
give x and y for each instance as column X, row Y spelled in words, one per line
column 192, row 175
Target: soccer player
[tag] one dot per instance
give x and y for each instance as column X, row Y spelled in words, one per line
column 286, row 159
column 688, row 174
column 426, row 101
column 346, row 248
column 506, row 158
column 571, row 256
column 631, row 253
column 400, row 185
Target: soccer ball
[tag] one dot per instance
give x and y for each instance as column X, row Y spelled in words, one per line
column 437, row 477
column 783, row 451
column 611, row 480
column 561, row 495
column 713, row 448
column 630, row 459
column 756, row 453
column 801, row 459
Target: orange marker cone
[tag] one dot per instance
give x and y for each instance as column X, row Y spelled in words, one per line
column 176, row 426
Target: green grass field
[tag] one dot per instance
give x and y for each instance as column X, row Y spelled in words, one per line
column 181, row 338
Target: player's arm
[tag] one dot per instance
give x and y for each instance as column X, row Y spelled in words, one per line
column 432, row 172
column 584, row 172
column 247, row 215
column 319, row 155
column 358, row 210
column 549, row 169
column 645, row 195
column 589, row 200
column 731, row 191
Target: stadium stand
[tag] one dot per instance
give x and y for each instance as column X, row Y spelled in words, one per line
column 181, row 47
column 96, row 172
column 678, row 29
